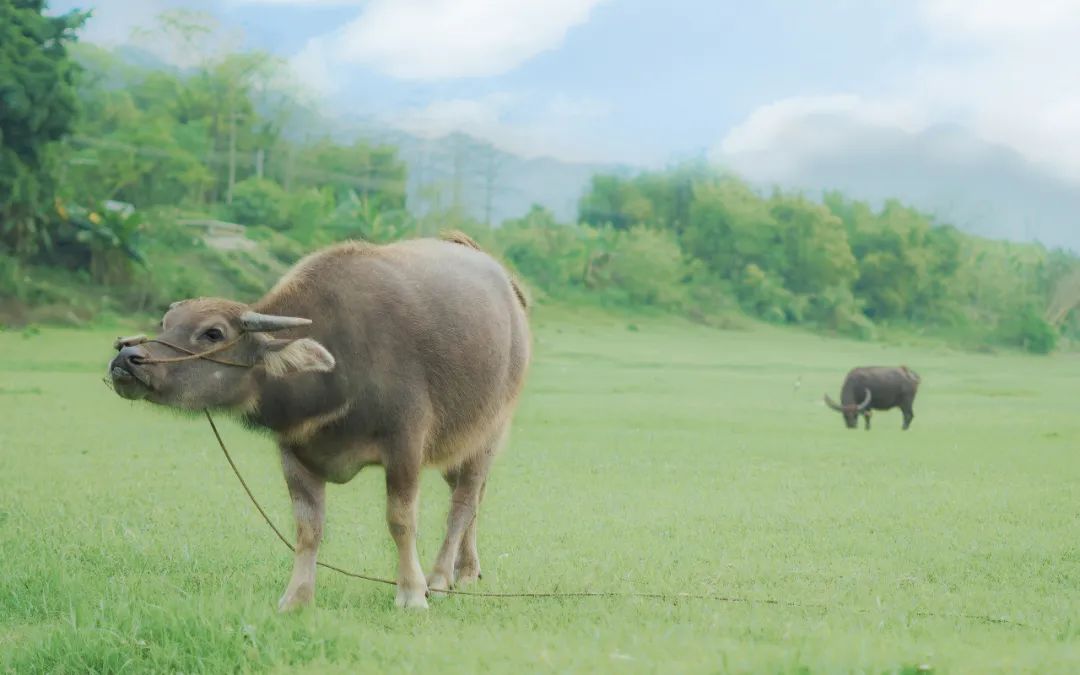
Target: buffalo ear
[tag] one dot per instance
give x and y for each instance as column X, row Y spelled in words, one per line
column 284, row 357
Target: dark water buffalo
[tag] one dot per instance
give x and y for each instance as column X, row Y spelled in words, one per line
column 405, row 355
column 876, row 388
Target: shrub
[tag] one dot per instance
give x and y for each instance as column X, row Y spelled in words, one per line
column 765, row 296
column 1029, row 331
column 308, row 208
column 553, row 257
column 11, row 278
column 258, row 201
column 647, row 265
column 285, row 249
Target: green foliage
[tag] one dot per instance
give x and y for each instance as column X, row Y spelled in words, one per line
column 1029, row 331
column 258, row 201
column 765, row 296
column 647, row 265
column 905, row 262
column 219, row 139
column 112, row 236
column 358, row 217
column 12, row 279
column 212, row 138
column 639, row 266
column 374, row 173
column 37, row 107
column 552, row 256
column 285, row 249
column 839, row 265
column 308, row 208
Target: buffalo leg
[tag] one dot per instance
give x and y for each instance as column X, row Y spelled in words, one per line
column 467, row 566
column 402, row 492
column 467, row 487
column 909, row 415
column 866, row 418
column 308, row 494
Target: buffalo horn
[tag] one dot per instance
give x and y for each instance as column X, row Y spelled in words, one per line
column 832, row 404
column 254, row 322
column 866, row 402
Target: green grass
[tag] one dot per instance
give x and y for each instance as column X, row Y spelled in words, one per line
column 666, row 458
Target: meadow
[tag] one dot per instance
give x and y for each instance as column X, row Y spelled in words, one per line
column 648, row 455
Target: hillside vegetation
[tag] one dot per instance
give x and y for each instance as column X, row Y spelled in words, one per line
column 108, row 162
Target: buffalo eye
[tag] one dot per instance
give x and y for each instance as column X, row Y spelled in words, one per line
column 214, row 335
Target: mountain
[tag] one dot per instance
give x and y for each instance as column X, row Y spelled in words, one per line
column 489, row 184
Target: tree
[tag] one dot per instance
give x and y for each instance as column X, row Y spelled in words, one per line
column 37, row 108
column 606, row 203
column 731, row 227
column 375, row 173
column 818, row 255
column 647, row 265
column 258, row 201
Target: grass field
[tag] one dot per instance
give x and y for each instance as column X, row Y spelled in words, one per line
column 660, row 457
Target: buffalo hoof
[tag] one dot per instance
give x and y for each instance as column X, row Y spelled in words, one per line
column 296, row 598
column 411, row 598
column 466, row 575
column 437, row 584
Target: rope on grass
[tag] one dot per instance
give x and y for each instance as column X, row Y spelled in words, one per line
column 575, row 594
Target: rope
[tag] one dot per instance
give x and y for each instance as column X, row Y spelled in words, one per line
column 198, row 355
column 269, row 522
column 189, row 354
column 575, row 594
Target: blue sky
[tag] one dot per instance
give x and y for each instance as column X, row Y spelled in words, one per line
column 650, row 82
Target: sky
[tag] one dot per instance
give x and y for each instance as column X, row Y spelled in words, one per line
column 651, row 82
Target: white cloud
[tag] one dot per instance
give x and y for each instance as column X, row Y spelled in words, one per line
column 1003, row 69
column 300, row 3
column 139, row 23
column 112, row 21
column 441, row 39
column 481, row 117
column 577, row 108
column 314, row 69
column 774, row 140
column 997, row 20
column 762, row 128
column 1014, row 79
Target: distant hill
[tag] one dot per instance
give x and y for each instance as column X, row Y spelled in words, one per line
column 945, row 170
column 980, row 187
column 489, row 184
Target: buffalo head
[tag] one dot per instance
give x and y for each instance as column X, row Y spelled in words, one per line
column 850, row 411
column 243, row 354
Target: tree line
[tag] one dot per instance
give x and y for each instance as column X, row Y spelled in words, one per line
column 84, row 133
column 698, row 238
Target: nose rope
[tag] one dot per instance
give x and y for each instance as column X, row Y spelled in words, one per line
column 189, row 354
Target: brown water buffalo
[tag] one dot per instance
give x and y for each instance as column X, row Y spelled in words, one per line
column 876, row 388
column 405, row 355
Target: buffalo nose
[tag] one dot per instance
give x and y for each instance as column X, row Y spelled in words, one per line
column 132, row 355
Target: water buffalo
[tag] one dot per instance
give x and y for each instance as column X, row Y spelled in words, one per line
column 876, row 388
column 405, row 355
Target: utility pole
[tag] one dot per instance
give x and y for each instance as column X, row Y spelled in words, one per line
column 489, row 185
column 290, row 166
column 458, row 161
column 232, row 157
column 418, row 172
